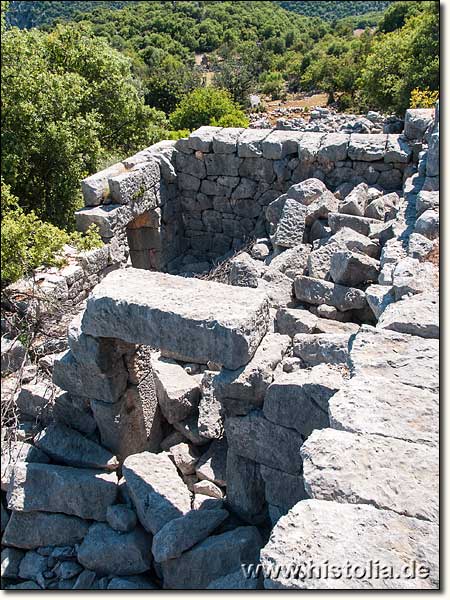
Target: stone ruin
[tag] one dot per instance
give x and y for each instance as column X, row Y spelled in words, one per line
column 285, row 418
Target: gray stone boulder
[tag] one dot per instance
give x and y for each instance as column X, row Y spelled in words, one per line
column 158, row 492
column 299, row 400
column 207, row 488
column 178, row 393
column 290, row 321
column 353, row 268
column 292, row 261
column 73, row 412
column 413, row 277
column 181, row 534
column 170, row 313
column 211, row 410
column 35, row 529
column 32, row 567
column 312, row 529
column 387, row 473
column 417, row 121
column 14, row 453
column 378, row 298
column 66, row 446
column 363, row 406
column 212, row 465
column 107, row 551
column 428, row 224
column 315, row 291
column 322, row 348
column 128, row 187
column 416, row 315
column 361, row 225
column 10, row 562
column 185, row 457
column 121, row 518
column 245, row 271
column 382, row 207
column 286, row 218
column 356, row 202
column 262, row 441
column 367, row 147
column 12, row 355
column 419, row 247
column 35, row 400
column 426, row 201
column 282, row 489
column 216, row 556
column 84, row 493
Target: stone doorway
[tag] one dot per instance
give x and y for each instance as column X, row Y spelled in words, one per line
column 144, row 240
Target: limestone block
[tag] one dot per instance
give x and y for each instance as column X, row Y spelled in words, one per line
column 313, row 530
column 413, row 277
column 416, row 315
column 361, row 225
column 417, row 121
column 322, row 348
column 225, row 140
column 279, row 144
column 362, row 406
column 156, row 489
column 290, row 321
column 250, row 142
column 282, row 489
column 95, row 188
column 367, row 147
column 245, row 488
column 353, row 268
column 315, row 291
column 361, row 469
column 202, row 138
column 129, row 186
column 378, row 298
column 84, row 493
column 170, row 313
column 334, row 147
column 428, row 224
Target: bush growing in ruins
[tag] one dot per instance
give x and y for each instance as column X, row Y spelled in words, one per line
column 423, row 98
column 208, row 106
column 28, row 242
column 68, row 99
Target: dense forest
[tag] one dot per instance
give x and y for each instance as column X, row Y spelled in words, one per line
column 334, row 10
column 85, row 88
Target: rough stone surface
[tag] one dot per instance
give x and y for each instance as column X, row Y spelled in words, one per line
column 322, row 348
column 10, row 561
column 107, row 551
column 245, row 488
column 121, row 518
column 315, row 291
column 282, row 489
column 413, row 277
column 31, row 530
column 390, row 474
column 290, row 321
column 363, row 406
column 156, row 489
column 416, row 315
column 214, row 557
column 378, row 298
column 212, row 465
column 81, row 492
column 179, row 535
column 353, row 268
column 170, row 312
column 371, row 535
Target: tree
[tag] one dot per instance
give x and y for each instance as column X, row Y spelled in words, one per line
column 68, row 99
column 208, row 106
column 237, row 77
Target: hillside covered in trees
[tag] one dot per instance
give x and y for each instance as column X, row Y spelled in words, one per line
column 95, row 85
column 331, row 11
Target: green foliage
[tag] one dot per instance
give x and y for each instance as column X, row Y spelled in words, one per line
column 208, row 106
column 273, row 85
column 397, row 14
column 67, row 98
column 88, row 240
column 402, row 60
column 423, row 98
column 333, row 10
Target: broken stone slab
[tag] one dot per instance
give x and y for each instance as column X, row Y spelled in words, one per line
column 364, row 469
column 250, row 142
column 356, row 242
column 12, row 355
column 73, row 412
column 334, row 146
column 84, row 493
column 225, row 140
column 178, row 393
column 35, row 529
column 181, row 534
column 361, row 225
column 212, row 465
column 378, row 298
column 66, row 446
column 416, row 315
column 185, row 457
column 428, row 224
column 292, row 261
column 107, row 551
column 417, row 121
column 32, row 567
column 216, row 556
column 419, row 246
column 396, row 356
column 413, row 277
column 312, row 531
column 353, row 268
column 262, row 441
column 85, row 580
column 158, row 492
column 189, row 428
column 244, row 271
column 202, row 502
column 300, row 400
column 321, row 207
column 249, row 384
column 170, row 313
column 81, row 380
column 207, row 488
column 398, row 149
column 131, row 425
column 363, row 406
column 382, row 208
column 210, row 411
column 315, row 291
column 245, row 489
column 282, row 489
column 290, row 321
column 426, row 201
column 318, row 348
column 278, row 144
column 14, row 453
column 202, row 138
column 278, row 288
column 355, row 203
column 121, row 518
column 286, row 218
column 330, row 326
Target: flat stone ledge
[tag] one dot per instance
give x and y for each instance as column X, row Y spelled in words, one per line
column 188, row 319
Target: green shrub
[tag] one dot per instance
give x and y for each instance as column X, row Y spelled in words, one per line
column 207, row 106
column 423, row 98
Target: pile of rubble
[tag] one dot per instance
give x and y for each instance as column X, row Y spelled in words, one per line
column 204, row 435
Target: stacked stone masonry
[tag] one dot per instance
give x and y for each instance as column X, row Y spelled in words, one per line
column 287, row 417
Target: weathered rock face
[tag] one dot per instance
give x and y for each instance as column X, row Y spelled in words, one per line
column 316, row 291
column 371, row 535
column 170, row 313
column 81, row 492
column 416, row 315
column 245, row 488
column 156, row 489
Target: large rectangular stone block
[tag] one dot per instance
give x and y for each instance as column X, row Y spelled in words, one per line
column 189, row 319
